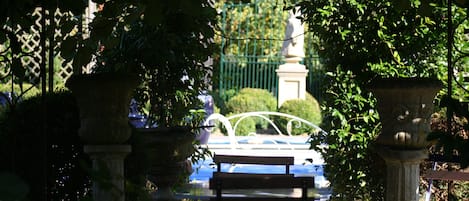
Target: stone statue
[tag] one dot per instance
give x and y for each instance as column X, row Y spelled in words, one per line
column 294, row 38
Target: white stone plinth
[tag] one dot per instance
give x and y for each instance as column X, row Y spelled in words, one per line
column 291, row 82
column 109, row 159
column 403, row 173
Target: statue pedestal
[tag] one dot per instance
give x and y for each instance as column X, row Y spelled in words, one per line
column 109, row 161
column 403, row 173
column 291, row 82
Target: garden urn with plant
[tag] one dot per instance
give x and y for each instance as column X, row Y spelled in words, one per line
column 166, row 44
column 366, row 41
column 103, row 98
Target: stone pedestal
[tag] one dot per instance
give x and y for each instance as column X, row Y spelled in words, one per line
column 292, row 82
column 403, row 173
column 109, row 161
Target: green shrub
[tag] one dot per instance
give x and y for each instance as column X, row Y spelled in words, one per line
column 262, row 96
column 221, row 99
column 24, row 147
column 306, row 109
column 352, row 125
column 245, row 126
column 252, row 100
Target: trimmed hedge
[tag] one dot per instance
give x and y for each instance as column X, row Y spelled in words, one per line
column 251, row 100
column 307, row 109
column 245, row 126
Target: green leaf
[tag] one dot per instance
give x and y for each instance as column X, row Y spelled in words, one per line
column 154, row 12
column 396, row 56
column 67, row 26
column 102, row 28
column 68, row 48
column 83, row 57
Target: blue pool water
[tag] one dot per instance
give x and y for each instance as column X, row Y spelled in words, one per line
column 203, row 170
column 307, row 162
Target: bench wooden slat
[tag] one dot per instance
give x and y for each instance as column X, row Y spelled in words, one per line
column 263, row 160
column 228, row 181
column 261, row 181
column 248, row 175
column 262, row 199
column 447, row 175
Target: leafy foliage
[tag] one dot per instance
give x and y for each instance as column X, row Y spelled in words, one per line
column 241, row 25
column 353, row 125
column 165, row 42
column 460, row 60
column 251, row 100
column 307, row 109
column 373, row 38
column 360, row 40
column 245, row 127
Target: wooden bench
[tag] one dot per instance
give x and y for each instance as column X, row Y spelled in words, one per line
column 225, row 180
column 462, row 175
column 445, row 175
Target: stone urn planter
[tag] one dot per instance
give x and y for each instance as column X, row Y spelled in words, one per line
column 167, row 150
column 103, row 100
column 405, row 106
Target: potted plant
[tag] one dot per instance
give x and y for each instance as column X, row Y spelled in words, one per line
column 173, row 73
column 368, row 41
column 104, row 95
column 166, row 44
column 399, row 51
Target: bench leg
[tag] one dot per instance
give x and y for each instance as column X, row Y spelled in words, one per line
column 218, row 191
column 304, row 192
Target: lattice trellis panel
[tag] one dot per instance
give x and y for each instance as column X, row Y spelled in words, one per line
column 30, row 43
